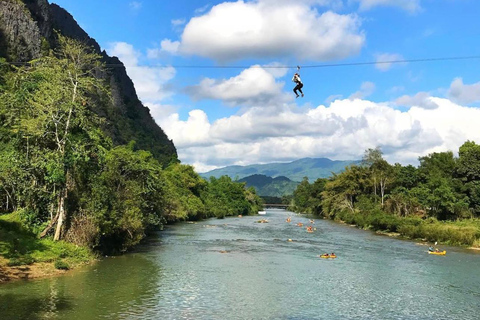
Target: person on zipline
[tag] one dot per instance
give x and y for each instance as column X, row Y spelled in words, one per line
column 299, row 86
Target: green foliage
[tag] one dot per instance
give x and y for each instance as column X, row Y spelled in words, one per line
column 59, row 172
column 127, row 197
column 22, row 247
column 436, row 202
column 185, row 188
column 225, row 197
column 61, row 265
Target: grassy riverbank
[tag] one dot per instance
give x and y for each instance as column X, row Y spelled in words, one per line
column 24, row 256
column 458, row 233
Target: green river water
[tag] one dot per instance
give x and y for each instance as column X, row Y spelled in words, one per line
column 184, row 272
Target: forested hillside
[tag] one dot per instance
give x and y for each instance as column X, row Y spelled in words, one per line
column 268, row 186
column 69, row 167
column 312, row 168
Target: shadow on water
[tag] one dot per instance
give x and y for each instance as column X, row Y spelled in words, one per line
column 21, row 306
column 108, row 289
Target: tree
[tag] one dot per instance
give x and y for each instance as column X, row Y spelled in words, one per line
column 185, row 190
column 50, row 111
column 301, row 195
column 467, row 170
column 127, row 197
column 381, row 172
column 341, row 191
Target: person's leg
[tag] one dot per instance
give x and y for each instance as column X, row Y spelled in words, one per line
column 297, row 87
column 300, row 88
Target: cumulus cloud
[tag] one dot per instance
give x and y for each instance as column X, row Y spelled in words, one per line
column 420, row 100
column 384, row 60
column 194, row 132
column 252, row 86
column 411, row 6
column 464, row 93
column 166, row 46
column 269, row 29
column 149, row 81
column 366, row 89
column 342, row 130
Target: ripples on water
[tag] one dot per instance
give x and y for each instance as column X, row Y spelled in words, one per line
column 236, row 268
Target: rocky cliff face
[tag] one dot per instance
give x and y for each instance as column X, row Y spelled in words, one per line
column 20, row 38
column 27, row 29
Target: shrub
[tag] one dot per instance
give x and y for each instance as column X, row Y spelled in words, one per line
column 20, row 261
column 61, row 265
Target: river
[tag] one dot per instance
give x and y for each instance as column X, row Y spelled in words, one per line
column 236, row 268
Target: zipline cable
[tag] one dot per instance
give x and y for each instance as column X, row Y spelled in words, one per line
column 112, row 65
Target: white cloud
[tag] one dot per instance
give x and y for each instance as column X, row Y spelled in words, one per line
column 135, row 5
column 169, row 46
column 267, row 29
column 333, row 97
column 384, row 60
column 149, row 81
column 411, row 6
column 194, row 132
column 178, row 22
column 201, row 10
column 252, row 86
column 161, row 112
column 166, row 46
column 366, row 89
column 464, row 93
column 342, row 130
column 421, row 100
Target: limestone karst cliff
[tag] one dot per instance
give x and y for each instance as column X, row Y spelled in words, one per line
column 27, row 29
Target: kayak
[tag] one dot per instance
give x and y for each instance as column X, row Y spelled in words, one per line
column 326, row 257
column 440, row 253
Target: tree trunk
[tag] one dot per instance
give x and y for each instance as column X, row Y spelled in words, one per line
column 61, row 214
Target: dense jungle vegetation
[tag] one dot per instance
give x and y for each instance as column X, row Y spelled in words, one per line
column 437, row 201
column 61, row 178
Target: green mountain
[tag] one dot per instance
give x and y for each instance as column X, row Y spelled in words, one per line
column 268, row 186
column 313, row 168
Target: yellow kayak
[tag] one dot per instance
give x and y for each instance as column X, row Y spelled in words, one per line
column 326, row 257
column 440, row 253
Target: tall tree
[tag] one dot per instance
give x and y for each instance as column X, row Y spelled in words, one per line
column 467, row 170
column 51, row 109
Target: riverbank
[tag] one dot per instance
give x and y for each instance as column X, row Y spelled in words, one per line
column 464, row 233
column 24, row 256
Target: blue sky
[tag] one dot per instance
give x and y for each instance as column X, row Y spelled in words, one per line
column 222, row 116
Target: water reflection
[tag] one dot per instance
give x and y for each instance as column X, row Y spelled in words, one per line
column 238, row 269
column 109, row 289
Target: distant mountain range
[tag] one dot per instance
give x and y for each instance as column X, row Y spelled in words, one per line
column 313, row 168
column 268, row 186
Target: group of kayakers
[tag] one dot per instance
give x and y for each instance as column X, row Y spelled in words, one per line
column 311, row 229
column 300, row 224
column 431, row 249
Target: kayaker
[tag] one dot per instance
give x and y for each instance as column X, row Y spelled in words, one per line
column 430, row 249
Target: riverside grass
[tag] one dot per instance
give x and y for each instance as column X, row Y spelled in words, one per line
column 19, row 246
column 459, row 233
